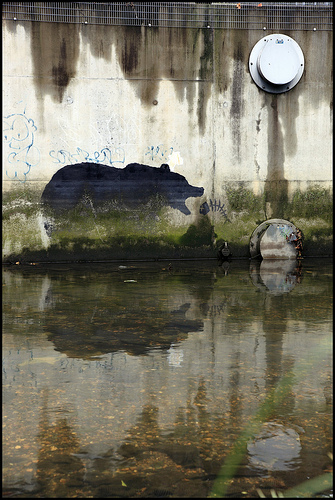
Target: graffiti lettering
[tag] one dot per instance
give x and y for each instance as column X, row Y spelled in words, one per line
column 285, row 230
column 214, row 207
column 105, row 156
column 159, row 152
column 19, row 141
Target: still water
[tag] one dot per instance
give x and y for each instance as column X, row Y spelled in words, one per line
column 137, row 380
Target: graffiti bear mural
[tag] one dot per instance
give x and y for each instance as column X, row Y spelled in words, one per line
column 130, row 186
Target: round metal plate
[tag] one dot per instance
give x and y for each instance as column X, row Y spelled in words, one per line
column 276, row 63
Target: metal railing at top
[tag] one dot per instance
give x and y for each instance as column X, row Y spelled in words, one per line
column 275, row 16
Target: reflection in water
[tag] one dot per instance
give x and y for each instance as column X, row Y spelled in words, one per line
column 275, row 448
column 58, row 467
column 276, row 276
column 112, row 327
column 136, row 381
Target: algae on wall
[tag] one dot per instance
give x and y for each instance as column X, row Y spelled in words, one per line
column 87, row 234
column 23, row 225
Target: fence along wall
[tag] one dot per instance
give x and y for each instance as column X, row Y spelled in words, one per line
column 224, row 15
column 94, row 83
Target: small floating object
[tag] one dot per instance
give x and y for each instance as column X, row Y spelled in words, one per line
column 130, row 281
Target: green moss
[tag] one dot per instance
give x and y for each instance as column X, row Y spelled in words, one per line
column 109, row 219
column 315, row 201
column 237, row 233
column 108, row 232
column 118, row 248
column 317, row 236
column 201, row 233
column 22, row 193
column 241, row 199
column 20, row 201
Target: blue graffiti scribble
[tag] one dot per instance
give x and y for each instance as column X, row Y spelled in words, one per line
column 217, row 207
column 105, row 155
column 21, row 153
column 214, row 207
column 159, row 151
column 204, row 209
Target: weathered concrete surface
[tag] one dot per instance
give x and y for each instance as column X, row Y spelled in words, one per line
column 117, row 95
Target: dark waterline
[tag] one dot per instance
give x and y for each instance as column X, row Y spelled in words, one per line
column 137, row 380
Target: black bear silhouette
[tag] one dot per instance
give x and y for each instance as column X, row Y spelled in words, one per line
column 131, row 186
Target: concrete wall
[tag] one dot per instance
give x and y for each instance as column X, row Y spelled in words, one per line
column 114, row 95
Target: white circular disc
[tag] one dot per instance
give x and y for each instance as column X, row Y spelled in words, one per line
column 276, row 63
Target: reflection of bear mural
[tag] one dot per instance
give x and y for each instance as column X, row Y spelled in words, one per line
column 131, row 186
column 136, row 333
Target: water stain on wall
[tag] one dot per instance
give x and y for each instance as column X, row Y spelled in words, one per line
column 182, row 56
column 55, row 51
column 318, row 70
column 276, row 186
column 221, row 73
column 97, row 38
column 237, row 93
column 289, row 112
column 206, row 74
column 230, row 78
column 61, row 77
column 129, row 54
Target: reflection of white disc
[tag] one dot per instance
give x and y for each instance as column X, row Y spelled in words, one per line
column 175, row 356
column 276, row 63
